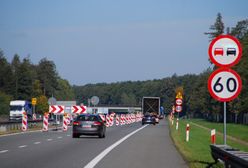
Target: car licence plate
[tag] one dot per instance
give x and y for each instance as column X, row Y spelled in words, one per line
column 86, row 126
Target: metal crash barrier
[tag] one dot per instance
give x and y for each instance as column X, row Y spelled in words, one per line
column 230, row 156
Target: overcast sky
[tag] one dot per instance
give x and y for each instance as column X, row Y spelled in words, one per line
column 93, row 41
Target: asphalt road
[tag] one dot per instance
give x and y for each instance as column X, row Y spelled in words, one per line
column 149, row 146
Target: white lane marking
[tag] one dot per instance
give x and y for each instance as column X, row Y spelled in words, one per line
column 22, row 146
column 59, row 137
column 36, row 143
column 49, row 139
column 4, row 151
column 68, row 135
column 99, row 157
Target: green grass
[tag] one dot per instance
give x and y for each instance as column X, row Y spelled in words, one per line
column 235, row 130
column 197, row 150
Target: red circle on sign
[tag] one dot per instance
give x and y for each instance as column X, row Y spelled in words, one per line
column 211, row 48
column 179, row 102
column 214, row 74
column 179, row 108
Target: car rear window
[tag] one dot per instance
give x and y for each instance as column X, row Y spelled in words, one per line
column 87, row 118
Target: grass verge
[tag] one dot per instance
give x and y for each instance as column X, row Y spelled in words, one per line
column 197, row 151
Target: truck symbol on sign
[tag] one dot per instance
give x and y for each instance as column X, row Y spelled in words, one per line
column 231, row 51
column 218, row 51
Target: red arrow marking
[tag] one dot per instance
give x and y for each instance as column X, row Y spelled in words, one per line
column 61, row 109
column 53, row 109
column 83, row 109
column 75, row 109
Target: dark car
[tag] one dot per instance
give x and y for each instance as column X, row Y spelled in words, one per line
column 88, row 124
column 148, row 119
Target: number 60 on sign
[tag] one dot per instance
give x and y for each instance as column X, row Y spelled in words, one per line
column 224, row 84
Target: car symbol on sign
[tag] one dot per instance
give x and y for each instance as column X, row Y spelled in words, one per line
column 231, row 51
column 218, row 51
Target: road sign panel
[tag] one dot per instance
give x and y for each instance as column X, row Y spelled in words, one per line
column 179, row 95
column 34, row 101
column 56, row 109
column 179, row 102
column 225, row 51
column 78, row 109
column 179, row 109
column 224, row 84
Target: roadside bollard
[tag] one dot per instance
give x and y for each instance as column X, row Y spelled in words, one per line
column 24, row 121
column 65, row 126
column 213, row 136
column 117, row 120
column 45, row 122
column 187, row 133
column 107, row 120
column 177, row 124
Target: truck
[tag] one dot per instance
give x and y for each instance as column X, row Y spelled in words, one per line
column 17, row 107
column 151, row 105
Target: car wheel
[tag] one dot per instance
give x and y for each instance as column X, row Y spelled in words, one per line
column 74, row 135
column 101, row 135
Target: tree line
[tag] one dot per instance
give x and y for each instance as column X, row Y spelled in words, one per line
column 197, row 100
column 23, row 80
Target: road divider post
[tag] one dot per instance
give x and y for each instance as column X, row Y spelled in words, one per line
column 24, row 121
column 187, row 133
column 213, row 136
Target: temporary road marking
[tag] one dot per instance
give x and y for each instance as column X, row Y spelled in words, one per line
column 99, row 157
column 4, row 151
column 23, row 146
column 36, row 143
column 49, row 139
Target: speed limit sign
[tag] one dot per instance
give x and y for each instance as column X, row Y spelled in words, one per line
column 224, row 84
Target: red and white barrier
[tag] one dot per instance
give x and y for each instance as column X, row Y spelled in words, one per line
column 45, row 122
column 24, row 121
column 107, row 120
column 187, row 133
column 177, row 124
column 213, row 136
column 111, row 119
column 102, row 117
column 123, row 119
column 65, row 126
column 117, row 120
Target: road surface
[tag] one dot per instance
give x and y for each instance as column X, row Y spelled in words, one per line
column 132, row 146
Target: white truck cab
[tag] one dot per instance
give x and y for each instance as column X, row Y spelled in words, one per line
column 17, row 107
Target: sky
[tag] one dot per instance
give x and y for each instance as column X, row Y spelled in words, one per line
column 105, row 41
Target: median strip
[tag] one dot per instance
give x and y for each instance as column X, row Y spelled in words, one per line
column 99, row 157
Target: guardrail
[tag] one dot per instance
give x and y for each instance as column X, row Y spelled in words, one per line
column 230, row 156
column 17, row 125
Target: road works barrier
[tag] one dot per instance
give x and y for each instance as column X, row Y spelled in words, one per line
column 65, row 126
column 117, row 120
column 45, row 122
column 24, row 121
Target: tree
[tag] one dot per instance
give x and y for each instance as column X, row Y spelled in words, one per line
column 216, row 29
column 6, row 76
column 15, row 66
column 25, row 80
column 64, row 90
column 48, row 76
column 4, row 103
column 42, row 104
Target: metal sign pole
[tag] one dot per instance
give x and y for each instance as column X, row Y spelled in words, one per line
column 224, row 123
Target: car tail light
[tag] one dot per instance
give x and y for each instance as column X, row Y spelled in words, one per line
column 97, row 123
column 75, row 123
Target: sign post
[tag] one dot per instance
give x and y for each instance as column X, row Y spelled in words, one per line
column 224, row 84
column 34, row 102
